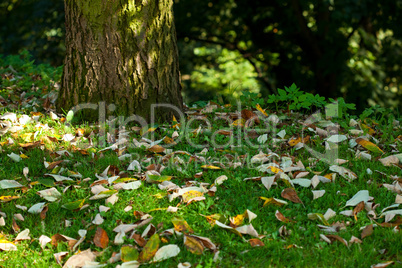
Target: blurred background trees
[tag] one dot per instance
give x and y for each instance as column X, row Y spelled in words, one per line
column 344, row 48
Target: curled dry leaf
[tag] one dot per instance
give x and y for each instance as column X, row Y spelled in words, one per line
column 281, row 218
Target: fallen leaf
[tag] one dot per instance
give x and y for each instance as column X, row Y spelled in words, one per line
column 80, row 259
column 101, row 239
column 149, row 249
column 166, row 252
column 255, row 242
column 357, row 209
column 367, row 231
column 180, row 225
column 129, row 253
column 369, row 146
column 193, row 245
column 290, row 194
column 281, row 218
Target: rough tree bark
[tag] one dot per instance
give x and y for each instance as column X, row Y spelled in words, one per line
column 120, row 52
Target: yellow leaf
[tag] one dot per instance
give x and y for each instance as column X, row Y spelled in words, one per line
column 23, row 156
column 193, row 245
column 190, row 195
column 150, row 248
column 210, row 167
column 239, row 122
column 293, row 141
column 261, row 110
column 273, row 201
column 7, row 198
column 369, row 145
column 168, row 140
column 368, row 129
column 275, row 169
column 181, row 225
column 238, row 220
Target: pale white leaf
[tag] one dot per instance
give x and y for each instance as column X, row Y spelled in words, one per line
column 166, row 252
column 15, row 157
column 98, row 219
column 268, row 181
column 50, row 194
column 337, row 138
column 134, row 166
column 24, row 235
column 247, row 229
column 318, row 194
column 37, row 208
column 6, row 184
column 302, row 182
column 59, row 177
column 362, row 195
column 329, row 214
column 43, row 240
column 80, row 259
column 220, row 179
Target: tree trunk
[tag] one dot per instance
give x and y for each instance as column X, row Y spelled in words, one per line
column 120, row 52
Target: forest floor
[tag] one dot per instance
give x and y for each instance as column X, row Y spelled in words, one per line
column 225, row 186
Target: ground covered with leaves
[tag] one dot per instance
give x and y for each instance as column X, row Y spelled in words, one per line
column 256, row 184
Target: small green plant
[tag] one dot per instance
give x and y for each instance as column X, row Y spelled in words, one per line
column 294, row 99
column 342, row 106
column 251, row 99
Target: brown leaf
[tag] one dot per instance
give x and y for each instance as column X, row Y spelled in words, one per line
column 113, row 171
column 281, row 218
column 255, row 242
column 101, row 239
column 156, row 149
column 193, row 245
column 138, row 239
column 357, row 209
column 247, row 114
column 15, row 226
column 338, row 238
column 43, row 212
column 290, row 194
column 397, row 222
column 61, row 238
column 367, row 231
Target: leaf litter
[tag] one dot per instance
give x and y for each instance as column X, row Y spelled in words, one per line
column 276, row 169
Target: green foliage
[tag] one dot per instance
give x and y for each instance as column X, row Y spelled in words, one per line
column 20, row 75
column 294, row 99
column 251, row 99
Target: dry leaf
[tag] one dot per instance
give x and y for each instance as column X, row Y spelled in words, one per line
column 193, row 245
column 369, row 146
column 357, row 209
column 367, row 231
column 150, row 249
column 255, row 242
column 290, row 194
column 101, row 239
column 281, row 218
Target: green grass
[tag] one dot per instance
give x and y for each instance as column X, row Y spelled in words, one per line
column 302, row 247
